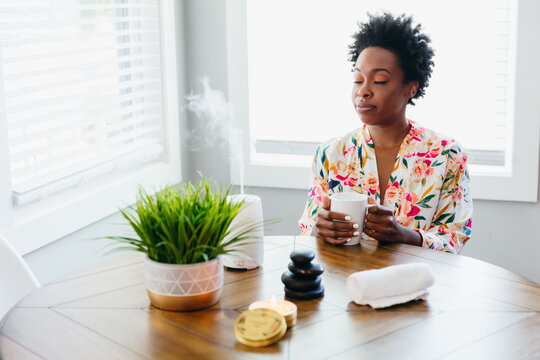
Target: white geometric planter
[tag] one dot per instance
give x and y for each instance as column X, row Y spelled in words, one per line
column 184, row 287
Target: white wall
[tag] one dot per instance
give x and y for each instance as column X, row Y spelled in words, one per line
column 77, row 250
column 504, row 233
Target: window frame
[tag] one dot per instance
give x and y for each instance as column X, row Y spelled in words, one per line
column 520, row 183
column 32, row 226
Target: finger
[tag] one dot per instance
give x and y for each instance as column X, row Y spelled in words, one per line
column 336, row 234
column 332, row 215
column 334, row 241
column 379, row 209
column 370, row 226
column 380, row 232
column 323, row 213
column 373, row 232
column 378, row 236
column 379, row 219
column 329, row 224
column 326, row 202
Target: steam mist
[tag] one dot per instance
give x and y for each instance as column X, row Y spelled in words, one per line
column 214, row 126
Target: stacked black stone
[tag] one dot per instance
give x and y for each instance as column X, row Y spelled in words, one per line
column 303, row 279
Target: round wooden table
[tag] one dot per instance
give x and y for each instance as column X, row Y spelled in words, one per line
column 474, row 310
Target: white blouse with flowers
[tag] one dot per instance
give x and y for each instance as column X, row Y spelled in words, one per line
column 428, row 190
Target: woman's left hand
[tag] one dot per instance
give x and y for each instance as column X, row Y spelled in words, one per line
column 381, row 225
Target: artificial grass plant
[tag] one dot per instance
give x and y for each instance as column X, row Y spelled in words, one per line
column 185, row 224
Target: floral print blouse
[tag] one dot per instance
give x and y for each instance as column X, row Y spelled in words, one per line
column 428, row 189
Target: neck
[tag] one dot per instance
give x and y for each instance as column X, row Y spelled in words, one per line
column 391, row 135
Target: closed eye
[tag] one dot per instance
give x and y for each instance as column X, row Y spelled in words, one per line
column 380, row 82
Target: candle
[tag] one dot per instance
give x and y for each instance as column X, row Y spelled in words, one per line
column 284, row 307
column 260, row 327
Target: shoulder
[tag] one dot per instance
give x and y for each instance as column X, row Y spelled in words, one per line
column 442, row 147
column 338, row 148
column 435, row 141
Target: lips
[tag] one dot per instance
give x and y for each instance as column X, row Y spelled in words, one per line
column 362, row 107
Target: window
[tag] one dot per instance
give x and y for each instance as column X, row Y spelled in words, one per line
column 298, row 83
column 88, row 113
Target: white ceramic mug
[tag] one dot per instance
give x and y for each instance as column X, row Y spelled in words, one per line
column 353, row 204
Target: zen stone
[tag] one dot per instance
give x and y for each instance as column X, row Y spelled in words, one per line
column 305, row 295
column 307, row 271
column 297, row 283
column 302, row 257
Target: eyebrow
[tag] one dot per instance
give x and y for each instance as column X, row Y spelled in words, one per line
column 375, row 70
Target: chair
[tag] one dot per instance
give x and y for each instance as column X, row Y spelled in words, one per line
column 16, row 278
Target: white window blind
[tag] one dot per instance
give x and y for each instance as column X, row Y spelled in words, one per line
column 300, row 80
column 81, row 81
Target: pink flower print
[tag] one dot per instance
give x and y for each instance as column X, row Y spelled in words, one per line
column 458, row 193
column 408, row 209
column 319, row 189
column 461, row 159
column 352, row 148
column 404, row 220
column 371, row 183
column 351, row 181
column 409, row 149
column 421, row 170
column 393, row 192
column 412, row 199
column 415, row 132
column 445, row 231
column 434, row 151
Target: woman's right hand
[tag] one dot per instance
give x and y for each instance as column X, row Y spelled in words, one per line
column 332, row 231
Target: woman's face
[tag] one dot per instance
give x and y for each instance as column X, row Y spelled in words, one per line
column 379, row 94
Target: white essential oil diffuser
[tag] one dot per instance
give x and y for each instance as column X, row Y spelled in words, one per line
column 250, row 213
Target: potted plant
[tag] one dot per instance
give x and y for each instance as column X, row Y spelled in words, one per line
column 181, row 229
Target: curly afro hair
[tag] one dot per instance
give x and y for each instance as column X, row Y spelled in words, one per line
column 398, row 35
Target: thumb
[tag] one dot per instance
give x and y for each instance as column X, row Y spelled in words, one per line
column 370, row 200
column 326, row 203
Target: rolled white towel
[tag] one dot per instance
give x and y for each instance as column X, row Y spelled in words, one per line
column 391, row 285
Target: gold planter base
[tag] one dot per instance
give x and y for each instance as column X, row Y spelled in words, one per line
column 184, row 303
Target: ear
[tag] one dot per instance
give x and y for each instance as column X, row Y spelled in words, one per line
column 412, row 88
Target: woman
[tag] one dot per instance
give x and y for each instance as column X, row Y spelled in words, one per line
column 426, row 197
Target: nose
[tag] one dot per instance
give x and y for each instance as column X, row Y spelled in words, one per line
column 364, row 91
